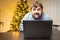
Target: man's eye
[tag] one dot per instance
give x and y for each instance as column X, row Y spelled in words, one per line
column 39, row 9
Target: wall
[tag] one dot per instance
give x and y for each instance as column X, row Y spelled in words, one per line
column 7, row 8
column 53, row 9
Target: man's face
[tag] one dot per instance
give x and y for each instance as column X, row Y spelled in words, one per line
column 36, row 12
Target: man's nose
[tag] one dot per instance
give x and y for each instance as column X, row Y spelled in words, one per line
column 36, row 11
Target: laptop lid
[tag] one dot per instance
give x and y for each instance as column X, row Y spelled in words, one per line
column 37, row 29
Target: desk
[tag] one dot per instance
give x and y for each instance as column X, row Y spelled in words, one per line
column 19, row 36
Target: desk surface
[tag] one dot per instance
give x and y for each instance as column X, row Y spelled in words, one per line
column 19, row 36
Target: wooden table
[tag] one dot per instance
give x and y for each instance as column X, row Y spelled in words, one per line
column 19, row 36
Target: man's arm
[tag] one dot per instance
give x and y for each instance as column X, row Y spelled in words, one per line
column 21, row 24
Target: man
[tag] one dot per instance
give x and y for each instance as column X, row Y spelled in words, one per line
column 35, row 14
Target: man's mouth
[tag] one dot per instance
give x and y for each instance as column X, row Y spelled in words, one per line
column 36, row 14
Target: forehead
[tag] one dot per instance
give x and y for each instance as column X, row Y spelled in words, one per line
column 38, row 7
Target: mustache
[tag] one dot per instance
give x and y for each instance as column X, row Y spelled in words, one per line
column 36, row 14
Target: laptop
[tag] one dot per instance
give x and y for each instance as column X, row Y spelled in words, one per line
column 37, row 29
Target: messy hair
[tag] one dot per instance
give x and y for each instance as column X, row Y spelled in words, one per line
column 36, row 4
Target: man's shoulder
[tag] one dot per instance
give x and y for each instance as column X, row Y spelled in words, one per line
column 28, row 14
column 46, row 16
column 26, row 17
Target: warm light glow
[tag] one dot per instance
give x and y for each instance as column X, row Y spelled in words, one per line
column 7, row 8
column 15, row 34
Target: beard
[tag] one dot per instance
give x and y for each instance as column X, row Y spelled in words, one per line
column 37, row 16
